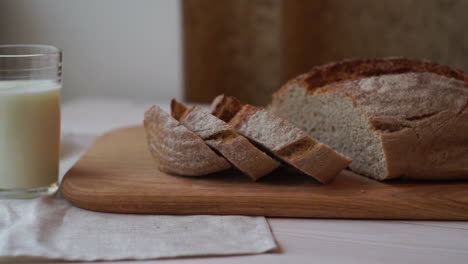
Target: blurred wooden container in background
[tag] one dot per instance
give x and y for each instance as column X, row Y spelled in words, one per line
column 250, row 48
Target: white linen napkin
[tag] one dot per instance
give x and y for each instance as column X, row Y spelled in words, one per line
column 50, row 228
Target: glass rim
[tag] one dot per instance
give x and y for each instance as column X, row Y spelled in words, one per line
column 49, row 50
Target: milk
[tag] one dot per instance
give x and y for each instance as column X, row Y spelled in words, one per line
column 29, row 133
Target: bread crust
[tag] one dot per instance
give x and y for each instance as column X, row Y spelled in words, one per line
column 419, row 109
column 289, row 143
column 223, row 138
column 177, row 150
column 352, row 69
column 225, row 107
column 177, row 110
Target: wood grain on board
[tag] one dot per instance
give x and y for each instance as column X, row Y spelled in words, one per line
column 117, row 174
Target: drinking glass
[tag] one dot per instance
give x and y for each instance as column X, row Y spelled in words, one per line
column 30, row 87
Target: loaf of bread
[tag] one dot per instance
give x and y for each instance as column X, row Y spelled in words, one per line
column 394, row 117
column 225, row 140
column 288, row 143
column 176, row 149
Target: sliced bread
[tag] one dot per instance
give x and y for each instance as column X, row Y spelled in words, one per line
column 394, row 117
column 225, row 140
column 225, row 107
column 176, row 149
column 289, row 143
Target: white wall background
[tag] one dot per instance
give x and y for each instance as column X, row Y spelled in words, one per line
column 113, row 48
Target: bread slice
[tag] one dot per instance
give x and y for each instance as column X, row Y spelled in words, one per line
column 221, row 137
column 289, row 143
column 394, row 117
column 177, row 150
column 225, row 107
column 177, row 109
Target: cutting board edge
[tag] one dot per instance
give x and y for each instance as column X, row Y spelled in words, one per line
column 101, row 203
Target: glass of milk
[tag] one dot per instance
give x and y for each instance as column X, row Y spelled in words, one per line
column 30, row 85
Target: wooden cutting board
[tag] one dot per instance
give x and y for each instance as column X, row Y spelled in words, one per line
column 118, row 175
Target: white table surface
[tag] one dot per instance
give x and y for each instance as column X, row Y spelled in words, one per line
column 301, row 240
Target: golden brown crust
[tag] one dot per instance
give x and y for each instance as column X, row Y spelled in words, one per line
column 289, row 143
column 361, row 68
column 433, row 149
column 419, row 110
column 225, row 140
column 225, row 107
column 177, row 109
column 245, row 156
column 242, row 116
column 422, row 122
